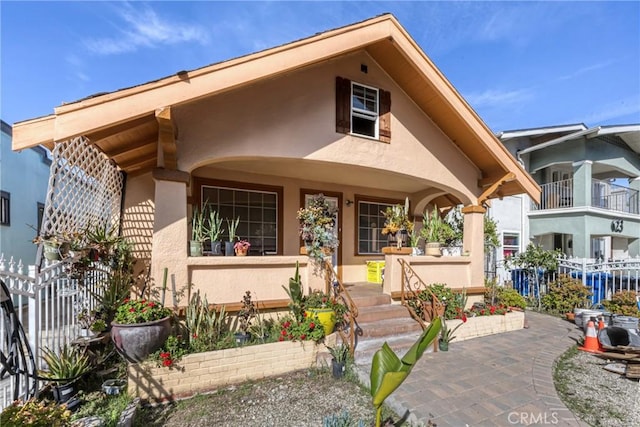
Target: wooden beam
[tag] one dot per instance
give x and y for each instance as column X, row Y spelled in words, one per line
column 33, row 132
column 509, row 176
column 131, row 148
column 166, row 138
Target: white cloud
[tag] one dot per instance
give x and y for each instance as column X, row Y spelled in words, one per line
column 614, row 110
column 142, row 27
column 497, row 98
column 585, row 70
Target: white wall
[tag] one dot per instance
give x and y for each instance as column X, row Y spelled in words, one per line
column 25, row 176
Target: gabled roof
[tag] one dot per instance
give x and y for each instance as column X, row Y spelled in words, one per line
column 126, row 124
column 562, row 129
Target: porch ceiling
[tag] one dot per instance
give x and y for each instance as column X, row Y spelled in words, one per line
column 306, row 170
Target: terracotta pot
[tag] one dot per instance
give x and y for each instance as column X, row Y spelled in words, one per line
column 241, row 252
column 137, row 341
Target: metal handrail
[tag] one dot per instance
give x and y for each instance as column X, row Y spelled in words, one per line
column 412, row 285
column 347, row 327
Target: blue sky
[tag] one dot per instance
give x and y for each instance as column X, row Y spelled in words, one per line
column 519, row 64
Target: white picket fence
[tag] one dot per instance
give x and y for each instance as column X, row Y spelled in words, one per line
column 47, row 304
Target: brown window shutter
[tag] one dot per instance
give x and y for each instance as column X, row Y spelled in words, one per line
column 384, row 121
column 343, row 105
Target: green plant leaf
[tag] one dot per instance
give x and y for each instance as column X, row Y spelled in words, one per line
column 388, row 371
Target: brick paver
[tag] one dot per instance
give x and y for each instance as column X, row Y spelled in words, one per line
column 497, row 380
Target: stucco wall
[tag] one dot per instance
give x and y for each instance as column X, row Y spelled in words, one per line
column 25, row 176
column 294, row 117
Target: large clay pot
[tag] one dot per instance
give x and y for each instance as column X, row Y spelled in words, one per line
column 326, row 317
column 137, row 341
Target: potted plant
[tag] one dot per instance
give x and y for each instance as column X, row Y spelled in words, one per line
column 232, row 226
column 63, row 369
column 317, row 228
column 339, row 359
column 326, row 309
column 414, row 242
column 139, row 328
column 245, row 315
column 214, row 230
column 397, row 223
column 242, row 247
column 198, row 232
column 446, row 334
column 435, row 232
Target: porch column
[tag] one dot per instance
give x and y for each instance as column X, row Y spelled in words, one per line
column 473, row 241
column 582, row 183
column 170, row 230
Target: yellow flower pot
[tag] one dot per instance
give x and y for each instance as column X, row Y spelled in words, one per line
column 326, row 317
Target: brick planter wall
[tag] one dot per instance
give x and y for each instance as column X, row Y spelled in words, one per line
column 207, row 371
column 480, row 326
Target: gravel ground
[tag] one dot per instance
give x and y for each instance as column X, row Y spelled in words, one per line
column 298, row 399
column 595, row 395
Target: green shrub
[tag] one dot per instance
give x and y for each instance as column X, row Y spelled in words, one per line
column 35, row 413
column 565, row 294
column 624, row 303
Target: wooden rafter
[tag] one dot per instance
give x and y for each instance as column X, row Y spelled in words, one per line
column 509, row 176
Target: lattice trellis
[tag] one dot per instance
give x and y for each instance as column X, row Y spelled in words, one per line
column 85, row 190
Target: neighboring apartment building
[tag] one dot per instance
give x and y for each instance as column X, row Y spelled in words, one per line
column 590, row 181
column 24, row 177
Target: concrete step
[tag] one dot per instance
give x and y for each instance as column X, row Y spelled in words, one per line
column 367, row 294
column 399, row 343
column 388, row 327
column 381, row 312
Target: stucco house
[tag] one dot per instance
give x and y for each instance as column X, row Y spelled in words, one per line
column 358, row 113
column 22, row 197
column 590, row 182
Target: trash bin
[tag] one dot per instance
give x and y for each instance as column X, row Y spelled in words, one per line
column 520, row 279
column 596, row 281
column 374, row 271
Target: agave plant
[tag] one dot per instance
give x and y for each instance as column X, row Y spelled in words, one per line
column 67, row 365
column 388, row 371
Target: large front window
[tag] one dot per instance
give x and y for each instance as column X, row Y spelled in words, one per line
column 370, row 225
column 257, row 210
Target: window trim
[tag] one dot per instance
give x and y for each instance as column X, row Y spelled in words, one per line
column 5, row 208
column 196, row 199
column 344, row 101
column 365, row 114
column 517, row 247
column 367, row 199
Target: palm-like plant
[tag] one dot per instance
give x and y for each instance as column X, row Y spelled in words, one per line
column 67, row 365
column 388, row 371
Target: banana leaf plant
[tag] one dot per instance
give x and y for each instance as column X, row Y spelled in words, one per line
column 388, row 371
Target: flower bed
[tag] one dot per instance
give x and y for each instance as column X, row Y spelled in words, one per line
column 480, row 326
column 210, row 370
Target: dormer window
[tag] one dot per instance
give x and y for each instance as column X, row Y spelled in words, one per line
column 363, row 110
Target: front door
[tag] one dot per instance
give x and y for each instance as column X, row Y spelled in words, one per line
column 335, row 199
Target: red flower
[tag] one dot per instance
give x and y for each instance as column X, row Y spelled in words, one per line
column 144, row 301
column 151, row 304
column 482, row 311
column 492, row 310
column 284, row 332
column 464, row 318
column 165, row 355
column 303, row 336
column 281, row 339
column 131, row 310
column 126, row 299
column 312, row 325
column 194, row 335
column 286, row 324
column 167, row 362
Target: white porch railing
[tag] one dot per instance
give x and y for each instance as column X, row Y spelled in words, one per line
column 47, row 304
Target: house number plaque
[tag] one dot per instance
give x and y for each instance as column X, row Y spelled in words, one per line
column 616, row 225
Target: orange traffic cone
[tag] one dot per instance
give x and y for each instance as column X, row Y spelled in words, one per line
column 591, row 343
column 600, row 323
